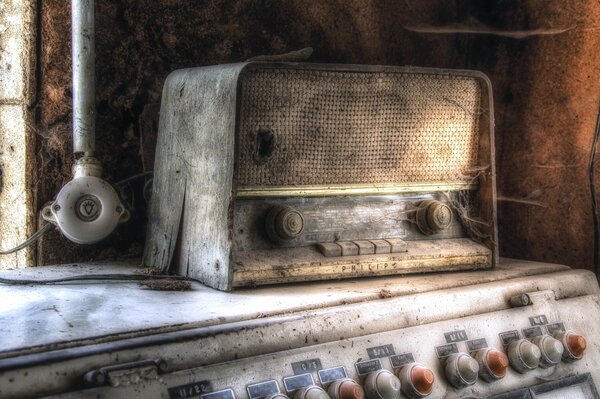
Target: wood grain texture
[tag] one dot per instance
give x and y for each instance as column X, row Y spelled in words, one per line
column 191, row 209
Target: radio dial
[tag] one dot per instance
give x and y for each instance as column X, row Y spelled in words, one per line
column 573, row 343
column 416, row 380
column 461, row 370
column 523, row 355
column 284, row 223
column 311, row 392
column 382, row 384
column 492, row 364
column 345, row 389
column 433, row 216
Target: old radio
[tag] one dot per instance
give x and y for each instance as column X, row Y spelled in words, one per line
column 283, row 172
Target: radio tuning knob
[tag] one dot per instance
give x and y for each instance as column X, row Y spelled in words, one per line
column 311, row 392
column 433, row 216
column 416, row 380
column 345, row 389
column 382, row 384
column 551, row 350
column 573, row 343
column 492, row 364
column 284, row 223
column 461, row 370
column 523, row 355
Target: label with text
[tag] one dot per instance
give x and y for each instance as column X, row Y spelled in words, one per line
column 192, row 390
column 223, row 394
column 296, row 382
column 402, row 359
column 456, row 336
column 509, row 336
column 368, row 366
column 477, row 344
column 262, row 389
column 381, row 351
column 532, row 332
column 446, row 350
column 329, row 375
column 538, row 320
column 555, row 327
column 307, row 366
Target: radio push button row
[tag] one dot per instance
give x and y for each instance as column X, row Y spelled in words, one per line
column 523, row 355
column 461, row 370
column 492, row 364
column 573, row 343
column 382, row 384
column 416, row 380
column 284, row 223
column 311, row 392
column 433, row 216
column 345, row 388
column 551, row 350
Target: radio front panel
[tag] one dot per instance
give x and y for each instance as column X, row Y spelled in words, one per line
column 259, row 165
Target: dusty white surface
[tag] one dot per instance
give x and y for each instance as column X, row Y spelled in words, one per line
column 17, row 33
column 34, row 315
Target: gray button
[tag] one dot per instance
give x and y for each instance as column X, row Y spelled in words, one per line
column 397, row 244
column 365, row 247
column 330, row 249
column 382, row 246
column 348, row 248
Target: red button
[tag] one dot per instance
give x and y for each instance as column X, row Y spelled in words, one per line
column 422, row 379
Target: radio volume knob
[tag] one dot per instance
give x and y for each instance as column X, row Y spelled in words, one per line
column 573, row 343
column 382, row 384
column 416, row 380
column 523, row 355
column 284, row 223
column 433, row 216
column 461, row 370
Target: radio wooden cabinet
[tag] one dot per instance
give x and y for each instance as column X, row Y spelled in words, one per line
column 283, row 172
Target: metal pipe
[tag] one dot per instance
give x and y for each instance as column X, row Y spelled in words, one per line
column 84, row 89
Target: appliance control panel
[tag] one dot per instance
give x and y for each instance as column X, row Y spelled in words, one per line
column 482, row 355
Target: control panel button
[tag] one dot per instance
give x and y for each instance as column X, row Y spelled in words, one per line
column 573, row 343
column 345, row 389
column 284, row 223
column 382, row 384
column 416, row 380
column 278, row 396
column 551, row 350
column 433, row 216
column 461, row 370
column 311, row 392
column 523, row 355
column 492, row 364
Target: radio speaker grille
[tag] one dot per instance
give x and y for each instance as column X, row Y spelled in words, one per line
column 340, row 127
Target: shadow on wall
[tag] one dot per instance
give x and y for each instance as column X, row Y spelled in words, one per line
column 540, row 58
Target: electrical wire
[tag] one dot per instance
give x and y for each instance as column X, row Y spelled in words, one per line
column 36, row 236
column 114, row 277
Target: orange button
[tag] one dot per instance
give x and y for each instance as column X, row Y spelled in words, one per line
column 497, row 362
column 422, row 379
column 576, row 344
column 351, row 390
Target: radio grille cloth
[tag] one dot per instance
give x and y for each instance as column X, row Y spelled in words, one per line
column 358, row 128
